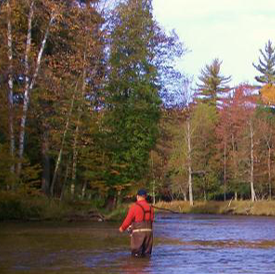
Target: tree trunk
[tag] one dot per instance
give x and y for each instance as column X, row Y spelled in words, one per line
column 235, row 164
column 26, row 92
column 46, row 163
column 153, row 176
column 154, row 191
column 65, row 181
column 83, row 191
column 269, row 172
column 252, row 162
column 190, row 185
column 58, row 162
column 10, row 94
column 75, row 154
column 75, row 147
column 29, row 85
column 184, row 196
column 224, row 170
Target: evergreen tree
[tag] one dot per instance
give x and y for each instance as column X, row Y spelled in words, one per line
column 266, row 65
column 133, row 99
column 212, row 82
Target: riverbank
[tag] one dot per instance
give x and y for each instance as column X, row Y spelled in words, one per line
column 259, row 208
column 36, row 207
column 22, row 206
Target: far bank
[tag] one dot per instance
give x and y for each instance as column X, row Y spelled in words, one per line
column 258, row 208
column 26, row 207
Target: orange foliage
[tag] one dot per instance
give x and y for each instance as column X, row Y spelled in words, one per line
column 268, row 94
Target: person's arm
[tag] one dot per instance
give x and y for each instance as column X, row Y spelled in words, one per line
column 128, row 220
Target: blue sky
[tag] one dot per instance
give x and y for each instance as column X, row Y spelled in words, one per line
column 231, row 30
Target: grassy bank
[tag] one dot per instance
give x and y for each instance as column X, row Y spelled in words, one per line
column 259, row 208
column 25, row 206
column 34, row 207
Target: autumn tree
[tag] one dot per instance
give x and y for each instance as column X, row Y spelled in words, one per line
column 52, row 72
column 240, row 134
column 24, row 54
column 267, row 93
column 80, row 69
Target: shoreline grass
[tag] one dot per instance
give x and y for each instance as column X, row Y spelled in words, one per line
column 23, row 207
column 258, row 208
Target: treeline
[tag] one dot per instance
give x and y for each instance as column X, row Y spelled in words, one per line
column 82, row 85
column 92, row 107
column 222, row 143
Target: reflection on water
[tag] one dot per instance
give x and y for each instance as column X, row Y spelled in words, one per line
column 183, row 244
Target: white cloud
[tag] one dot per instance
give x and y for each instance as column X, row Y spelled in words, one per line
column 232, row 30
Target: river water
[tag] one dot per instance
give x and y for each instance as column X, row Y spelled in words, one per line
column 183, row 244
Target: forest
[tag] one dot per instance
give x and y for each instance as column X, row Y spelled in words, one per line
column 93, row 107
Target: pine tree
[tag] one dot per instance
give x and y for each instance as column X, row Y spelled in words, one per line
column 212, row 82
column 266, row 65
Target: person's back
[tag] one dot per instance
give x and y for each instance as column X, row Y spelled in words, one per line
column 140, row 217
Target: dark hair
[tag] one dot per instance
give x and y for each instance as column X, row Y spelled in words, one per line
column 142, row 193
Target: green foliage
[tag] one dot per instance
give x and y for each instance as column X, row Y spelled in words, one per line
column 30, row 204
column 30, row 173
column 204, row 121
column 6, row 177
column 133, row 100
column 19, row 205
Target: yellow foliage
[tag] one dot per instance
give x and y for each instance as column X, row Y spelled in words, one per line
column 268, row 94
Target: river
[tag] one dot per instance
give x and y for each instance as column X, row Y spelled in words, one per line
column 183, row 244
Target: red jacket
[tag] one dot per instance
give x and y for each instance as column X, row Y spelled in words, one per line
column 136, row 214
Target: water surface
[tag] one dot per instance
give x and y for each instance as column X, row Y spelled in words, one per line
column 183, row 244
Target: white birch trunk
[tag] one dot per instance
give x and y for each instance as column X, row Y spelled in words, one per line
column 154, row 180
column 10, row 84
column 75, row 155
column 46, row 162
column 235, row 163
column 65, row 181
column 154, row 192
column 269, row 172
column 83, row 191
column 29, row 85
column 190, row 185
column 26, row 92
column 224, row 169
column 252, row 162
column 75, row 148
column 62, row 144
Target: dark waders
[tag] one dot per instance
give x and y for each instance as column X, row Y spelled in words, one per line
column 142, row 235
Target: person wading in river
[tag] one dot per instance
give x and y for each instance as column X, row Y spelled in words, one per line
column 140, row 219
